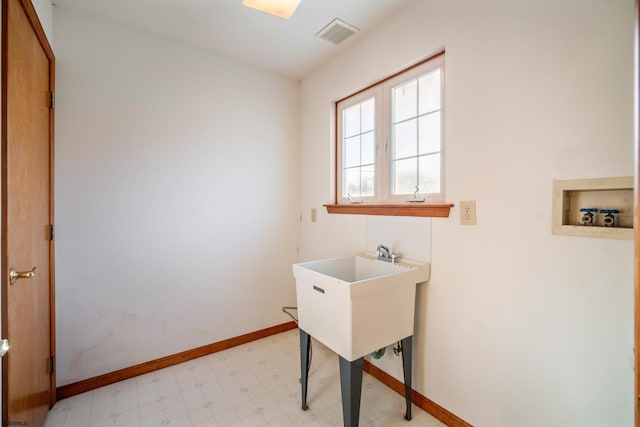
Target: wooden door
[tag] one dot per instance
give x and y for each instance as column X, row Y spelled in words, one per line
column 28, row 386
column 636, row 131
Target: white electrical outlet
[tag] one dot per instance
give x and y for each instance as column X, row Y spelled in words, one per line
column 468, row 212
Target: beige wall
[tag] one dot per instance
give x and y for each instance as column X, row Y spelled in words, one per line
column 44, row 8
column 517, row 327
column 176, row 212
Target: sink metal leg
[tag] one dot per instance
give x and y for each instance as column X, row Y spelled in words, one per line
column 305, row 346
column 407, row 356
column 351, row 387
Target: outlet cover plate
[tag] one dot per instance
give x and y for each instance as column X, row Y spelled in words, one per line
column 468, row 212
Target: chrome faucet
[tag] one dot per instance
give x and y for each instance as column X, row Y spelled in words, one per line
column 384, row 254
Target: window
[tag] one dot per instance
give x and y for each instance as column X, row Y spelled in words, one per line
column 390, row 139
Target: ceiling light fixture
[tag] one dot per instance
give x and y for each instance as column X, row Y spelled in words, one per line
column 281, row 8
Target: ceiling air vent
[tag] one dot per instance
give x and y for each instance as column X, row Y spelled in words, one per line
column 336, row 31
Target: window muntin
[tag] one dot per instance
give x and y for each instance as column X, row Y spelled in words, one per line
column 390, row 139
column 358, row 150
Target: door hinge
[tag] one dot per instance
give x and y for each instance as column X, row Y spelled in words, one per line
column 52, row 100
column 52, row 232
column 52, row 364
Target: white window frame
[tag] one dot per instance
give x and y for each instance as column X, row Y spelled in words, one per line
column 382, row 92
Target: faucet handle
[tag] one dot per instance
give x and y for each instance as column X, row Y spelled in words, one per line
column 382, row 250
column 383, row 253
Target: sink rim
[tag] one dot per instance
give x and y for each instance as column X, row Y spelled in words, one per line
column 403, row 266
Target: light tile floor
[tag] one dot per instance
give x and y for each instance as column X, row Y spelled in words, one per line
column 253, row 385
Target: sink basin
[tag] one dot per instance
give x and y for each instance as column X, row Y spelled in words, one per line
column 358, row 304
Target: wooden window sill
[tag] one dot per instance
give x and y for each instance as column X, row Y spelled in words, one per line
column 425, row 210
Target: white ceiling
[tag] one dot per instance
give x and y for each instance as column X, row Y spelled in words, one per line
column 228, row 28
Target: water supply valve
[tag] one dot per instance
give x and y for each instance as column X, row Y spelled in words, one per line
column 610, row 219
column 588, row 216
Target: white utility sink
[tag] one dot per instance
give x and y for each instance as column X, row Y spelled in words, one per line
column 358, row 304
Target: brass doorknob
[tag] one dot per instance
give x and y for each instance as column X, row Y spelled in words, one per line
column 15, row 275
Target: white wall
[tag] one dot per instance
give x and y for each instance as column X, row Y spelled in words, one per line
column 44, row 9
column 177, row 207
column 517, row 327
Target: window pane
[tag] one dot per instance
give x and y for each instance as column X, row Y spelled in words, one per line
column 359, row 182
column 405, row 101
column 368, row 181
column 405, row 139
column 352, row 152
column 429, row 91
column 368, row 115
column 351, row 120
column 405, row 175
column 430, row 174
column 430, row 133
column 368, row 148
column 358, row 149
column 352, row 182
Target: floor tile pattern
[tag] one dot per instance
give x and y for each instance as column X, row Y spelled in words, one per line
column 253, row 385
